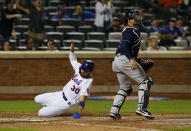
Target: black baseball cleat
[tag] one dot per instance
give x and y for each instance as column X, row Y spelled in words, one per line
column 150, row 117
column 115, row 116
column 145, row 113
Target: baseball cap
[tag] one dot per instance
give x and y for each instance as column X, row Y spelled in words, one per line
column 87, row 66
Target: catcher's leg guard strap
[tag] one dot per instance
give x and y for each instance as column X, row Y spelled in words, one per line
column 120, row 99
column 148, row 82
column 144, row 93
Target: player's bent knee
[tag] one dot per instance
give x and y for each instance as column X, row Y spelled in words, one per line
column 37, row 99
column 125, row 91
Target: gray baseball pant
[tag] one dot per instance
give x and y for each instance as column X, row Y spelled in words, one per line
column 121, row 65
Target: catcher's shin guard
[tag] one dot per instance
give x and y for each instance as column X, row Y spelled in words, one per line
column 119, row 100
column 144, row 93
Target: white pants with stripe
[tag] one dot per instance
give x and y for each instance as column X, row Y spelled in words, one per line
column 53, row 104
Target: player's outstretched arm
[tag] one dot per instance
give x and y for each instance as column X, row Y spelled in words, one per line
column 73, row 58
column 81, row 105
column 72, row 46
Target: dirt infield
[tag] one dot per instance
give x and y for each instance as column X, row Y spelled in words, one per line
column 92, row 122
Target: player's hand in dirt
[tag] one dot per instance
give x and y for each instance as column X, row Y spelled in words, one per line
column 133, row 64
column 72, row 46
column 76, row 115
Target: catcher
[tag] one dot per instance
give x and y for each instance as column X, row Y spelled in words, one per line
column 127, row 65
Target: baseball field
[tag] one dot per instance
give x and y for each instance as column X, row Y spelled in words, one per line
column 35, row 73
column 171, row 115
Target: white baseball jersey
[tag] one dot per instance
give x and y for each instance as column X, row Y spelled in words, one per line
column 78, row 85
column 55, row 103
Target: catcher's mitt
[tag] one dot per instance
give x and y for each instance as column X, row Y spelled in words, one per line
column 146, row 64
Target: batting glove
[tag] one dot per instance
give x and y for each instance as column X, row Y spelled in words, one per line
column 76, row 115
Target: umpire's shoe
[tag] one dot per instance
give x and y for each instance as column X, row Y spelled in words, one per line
column 145, row 113
column 115, row 116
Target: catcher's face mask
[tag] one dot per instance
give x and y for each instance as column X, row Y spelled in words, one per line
column 137, row 15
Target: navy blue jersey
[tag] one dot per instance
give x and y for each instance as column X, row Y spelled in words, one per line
column 130, row 42
column 6, row 25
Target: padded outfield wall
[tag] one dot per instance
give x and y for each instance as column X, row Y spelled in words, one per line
column 38, row 72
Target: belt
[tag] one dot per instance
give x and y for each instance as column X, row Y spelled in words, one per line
column 65, row 98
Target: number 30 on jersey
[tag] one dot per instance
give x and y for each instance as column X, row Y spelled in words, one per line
column 74, row 89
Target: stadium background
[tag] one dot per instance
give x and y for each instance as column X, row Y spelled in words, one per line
column 84, row 32
column 36, row 72
column 24, row 74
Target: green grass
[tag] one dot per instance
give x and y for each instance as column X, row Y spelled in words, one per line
column 15, row 129
column 176, row 129
column 156, row 106
column 19, row 106
column 163, row 106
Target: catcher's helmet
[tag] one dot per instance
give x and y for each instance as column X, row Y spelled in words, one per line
column 137, row 15
column 87, row 66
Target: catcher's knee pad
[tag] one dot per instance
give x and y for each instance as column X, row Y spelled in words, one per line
column 125, row 92
column 148, row 82
column 144, row 92
column 120, row 99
